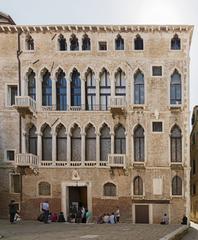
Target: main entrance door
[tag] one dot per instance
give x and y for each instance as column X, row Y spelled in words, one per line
column 77, row 197
column 141, row 213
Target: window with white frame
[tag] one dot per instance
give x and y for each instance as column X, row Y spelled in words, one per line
column 15, row 183
column 156, row 71
column 157, row 127
column 10, row 155
column 11, row 94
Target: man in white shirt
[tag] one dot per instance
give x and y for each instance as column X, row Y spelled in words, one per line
column 45, row 209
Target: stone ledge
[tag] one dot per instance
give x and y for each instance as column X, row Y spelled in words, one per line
column 177, row 234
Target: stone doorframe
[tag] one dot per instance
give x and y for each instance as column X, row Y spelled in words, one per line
column 65, row 194
column 150, row 206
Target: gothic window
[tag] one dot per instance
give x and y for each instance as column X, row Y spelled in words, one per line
column 74, row 45
column 29, row 42
column 47, row 90
column 32, row 140
column 175, row 43
column 46, row 144
column 32, row 85
column 61, row 144
column 138, row 186
column 75, row 89
column 138, row 87
column 62, row 43
column 175, row 88
column 90, row 144
column 105, row 90
column 138, row 144
column 120, row 140
column 90, row 91
column 120, row 85
column 76, row 144
column 176, row 144
column 61, row 91
column 86, row 43
column 176, row 186
column 138, row 43
column 119, row 43
column 109, row 190
column 105, row 143
column 44, row 189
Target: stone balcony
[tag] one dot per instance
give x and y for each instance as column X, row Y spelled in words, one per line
column 26, row 160
column 117, row 160
column 25, row 105
column 118, row 105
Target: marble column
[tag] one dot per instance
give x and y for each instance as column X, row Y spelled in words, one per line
column 54, row 148
column 98, row 149
column 83, row 148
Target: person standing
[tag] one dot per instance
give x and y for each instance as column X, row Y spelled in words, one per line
column 45, row 209
column 12, row 210
column 117, row 215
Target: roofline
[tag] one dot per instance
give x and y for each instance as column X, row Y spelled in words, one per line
column 8, row 17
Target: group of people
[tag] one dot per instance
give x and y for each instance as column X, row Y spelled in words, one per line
column 110, row 218
column 13, row 212
column 165, row 220
column 80, row 215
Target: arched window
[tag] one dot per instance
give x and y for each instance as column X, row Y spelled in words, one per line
column 32, row 141
column 90, row 91
column 138, row 43
column 105, row 90
column 44, row 189
column 75, row 89
column 75, row 144
column 138, row 87
column 138, row 186
column 61, row 144
column 120, row 85
column 90, row 144
column 29, row 42
column 120, row 140
column 61, row 91
column 74, row 45
column 175, row 88
column 119, row 43
column 62, row 43
column 86, row 43
column 109, row 190
column 105, row 143
column 176, row 186
column 175, row 43
column 176, row 144
column 138, row 144
column 46, row 144
column 47, row 90
column 32, row 85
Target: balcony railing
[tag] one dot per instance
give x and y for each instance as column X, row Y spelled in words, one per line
column 117, row 160
column 25, row 105
column 118, row 102
column 27, row 159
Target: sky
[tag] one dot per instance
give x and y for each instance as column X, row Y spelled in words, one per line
column 111, row 12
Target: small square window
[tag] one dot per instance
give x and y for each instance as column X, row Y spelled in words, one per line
column 157, row 126
column 10, row 155
column 156, row 70
column 102, row 46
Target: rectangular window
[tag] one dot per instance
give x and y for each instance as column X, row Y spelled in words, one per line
column 11, row 94
column 15, row 183
column 156, row 70
column 157, row 126
column 102, row 46
column 10, row 155
column 193, row 167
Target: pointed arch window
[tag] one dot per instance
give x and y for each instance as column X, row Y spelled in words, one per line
column 86, row 43
column 47, row 144
column 75, row 89
column 138, row 144
column 120, row 140
column 109, row 189
column 176, row 144
column 176, row 185
column 105, row 90
column 62, row 43
column 175, row 88
column 76, row 144
column 74, row 45
column 105, row 143
column 61, row 144
column 120, row 84
column 90, row 91
column 139, row 88
column 32, row 85
column 32, row 141
column 119, row 43
column 138, row 186
column 90, row 144
column 138, row 43
column 47, row 90
column 61, row 92
column 29, row 42
column 175, row 43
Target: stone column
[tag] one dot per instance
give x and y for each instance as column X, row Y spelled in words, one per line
column 68, row 148
column 54, row 148
column 39, row 146
column 112, row 142
column 24, row 135
column 83, row 148
column 39, row 93
column 98, row 149
column 112, row 80
column 53, row 94
column 68, row 93
column 83, row 94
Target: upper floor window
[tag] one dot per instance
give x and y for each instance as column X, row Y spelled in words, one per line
column 105, row 90
column 193, row 167
column 157, row 127
column 176, row 186
column 156, row 71
column 11, row 94
column 175, row 43
column 90, row 140
column 175, row 88
column 120, row 140
column 138, row 186
column 120, row 84
column 46, row 143
column 74, row 45
column 102, row 46
column 119, row 43
column 109, row 189
column 62, row 43
column 86, row 43
column 75, row 88
column 138, row 144
column 46, row 89
column 32, row 85
column 32, row 141
column 61, row 143
column 176, row 144
column 61, row 91
column 138, row 43
column 105, row 143
column 90, row 90
column 29, row 41
column 138, row 87
column 76, row 144
column 10, row 155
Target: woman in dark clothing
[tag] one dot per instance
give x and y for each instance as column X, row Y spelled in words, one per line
column 12, row 210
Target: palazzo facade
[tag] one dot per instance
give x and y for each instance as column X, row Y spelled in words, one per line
column 96, row 116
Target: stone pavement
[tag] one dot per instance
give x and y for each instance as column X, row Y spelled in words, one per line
column 192, row 233
column 30, row 230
